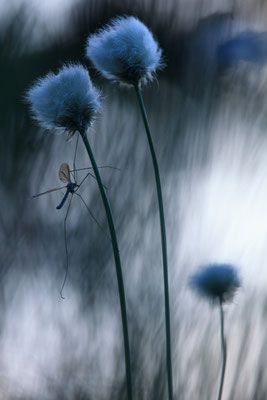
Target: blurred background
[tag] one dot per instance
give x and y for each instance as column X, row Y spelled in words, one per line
column 208, row 115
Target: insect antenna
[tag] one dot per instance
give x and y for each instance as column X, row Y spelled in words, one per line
column 66, row 250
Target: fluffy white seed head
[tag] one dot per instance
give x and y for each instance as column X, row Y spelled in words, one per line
column 66, row 101
column 125, row 51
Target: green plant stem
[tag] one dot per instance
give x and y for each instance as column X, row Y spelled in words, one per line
column 117, row 263
column 163, row 241
column 224, row 351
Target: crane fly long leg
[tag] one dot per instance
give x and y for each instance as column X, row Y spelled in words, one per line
column 102, row 166
column 89, row 173
column 66, row 249
column 92, row 216
column 49, row 191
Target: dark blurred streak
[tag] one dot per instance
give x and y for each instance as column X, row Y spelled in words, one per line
column 32, row 245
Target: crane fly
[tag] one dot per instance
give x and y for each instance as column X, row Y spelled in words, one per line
column 71, row 188
column 64, row 176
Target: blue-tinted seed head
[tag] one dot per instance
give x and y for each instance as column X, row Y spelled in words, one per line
column 125, row 51
column 216, row 281
column 64, row 101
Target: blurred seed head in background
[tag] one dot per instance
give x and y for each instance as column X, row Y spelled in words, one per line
column 208, row 119
column 216, row 282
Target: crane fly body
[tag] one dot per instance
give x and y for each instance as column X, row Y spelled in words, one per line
column 72, row 187
column 64, row 176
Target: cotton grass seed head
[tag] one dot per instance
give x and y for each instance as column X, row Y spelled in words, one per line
column 216, row 281
column 125, row 51
column 66, row 101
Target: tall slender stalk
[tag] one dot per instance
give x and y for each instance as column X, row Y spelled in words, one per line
column 117, row 263
column 224, row 350
column 163, row 241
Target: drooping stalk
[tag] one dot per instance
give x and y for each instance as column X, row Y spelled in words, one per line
column 117, row 263
column 163, row 241
column 224, row 350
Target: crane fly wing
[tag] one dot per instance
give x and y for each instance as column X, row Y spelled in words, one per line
column 49, row 191
column 64, row 173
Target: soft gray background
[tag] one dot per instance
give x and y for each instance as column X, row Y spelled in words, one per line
column 209, row 128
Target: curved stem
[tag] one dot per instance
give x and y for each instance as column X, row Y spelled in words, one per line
column 224, row 351
column 163, row 241
column 117, row 263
